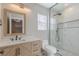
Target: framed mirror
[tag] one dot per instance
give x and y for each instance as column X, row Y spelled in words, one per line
column 14, row 22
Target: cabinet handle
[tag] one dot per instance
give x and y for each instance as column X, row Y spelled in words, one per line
column 35, row 50
column 1, row 52
column 35, row 44
column 17, row 51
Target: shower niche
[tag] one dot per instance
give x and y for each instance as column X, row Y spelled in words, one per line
column 13, row 22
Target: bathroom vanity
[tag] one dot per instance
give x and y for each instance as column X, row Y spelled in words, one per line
column 14, row 25
column 23, row 48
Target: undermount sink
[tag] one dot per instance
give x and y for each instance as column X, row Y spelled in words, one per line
column 17, row 40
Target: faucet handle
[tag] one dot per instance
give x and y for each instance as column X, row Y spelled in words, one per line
column 11, row 39
column 19, row 38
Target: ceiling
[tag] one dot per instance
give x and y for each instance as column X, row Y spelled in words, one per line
column 47, row 5
column 59, row 7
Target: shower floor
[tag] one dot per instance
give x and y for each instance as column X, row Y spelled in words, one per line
column 62, row 52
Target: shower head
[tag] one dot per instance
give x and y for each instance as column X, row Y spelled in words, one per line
column 59, row 14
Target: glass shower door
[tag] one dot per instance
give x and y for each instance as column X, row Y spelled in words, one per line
column 55, row 31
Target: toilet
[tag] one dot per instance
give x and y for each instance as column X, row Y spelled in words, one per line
column 50, row 50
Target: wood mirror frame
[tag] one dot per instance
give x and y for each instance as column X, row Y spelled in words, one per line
column 13, row 22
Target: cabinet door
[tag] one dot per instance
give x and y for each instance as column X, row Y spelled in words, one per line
column 9, row 51
column 26, row 49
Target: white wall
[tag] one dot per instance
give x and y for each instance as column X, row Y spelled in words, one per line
column 31, row 19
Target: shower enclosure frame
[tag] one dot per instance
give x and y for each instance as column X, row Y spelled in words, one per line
column 49, row 21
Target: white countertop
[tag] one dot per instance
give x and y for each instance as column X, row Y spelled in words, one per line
column 8, row 42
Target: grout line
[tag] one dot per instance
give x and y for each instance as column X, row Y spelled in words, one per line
column 69, row 28
column 69, row 21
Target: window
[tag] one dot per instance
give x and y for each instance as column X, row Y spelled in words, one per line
column 42, row 22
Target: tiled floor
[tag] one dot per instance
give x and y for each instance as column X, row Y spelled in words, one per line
column 62, row 52
column 58, row 54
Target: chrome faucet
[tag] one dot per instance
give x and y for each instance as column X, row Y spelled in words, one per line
column 16, row 38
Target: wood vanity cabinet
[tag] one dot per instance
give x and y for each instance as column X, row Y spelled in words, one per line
column 36, row 48
column 8, row 51
column 26, row 49
column 23, row 49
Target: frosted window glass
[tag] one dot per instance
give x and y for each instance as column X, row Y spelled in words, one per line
column 42, row 22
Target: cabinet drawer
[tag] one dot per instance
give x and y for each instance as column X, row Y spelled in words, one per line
column 27, row 45
column 36, row 52
column 37, row 49
column 36, row 44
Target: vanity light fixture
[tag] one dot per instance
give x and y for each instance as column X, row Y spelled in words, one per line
column 21, row 5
